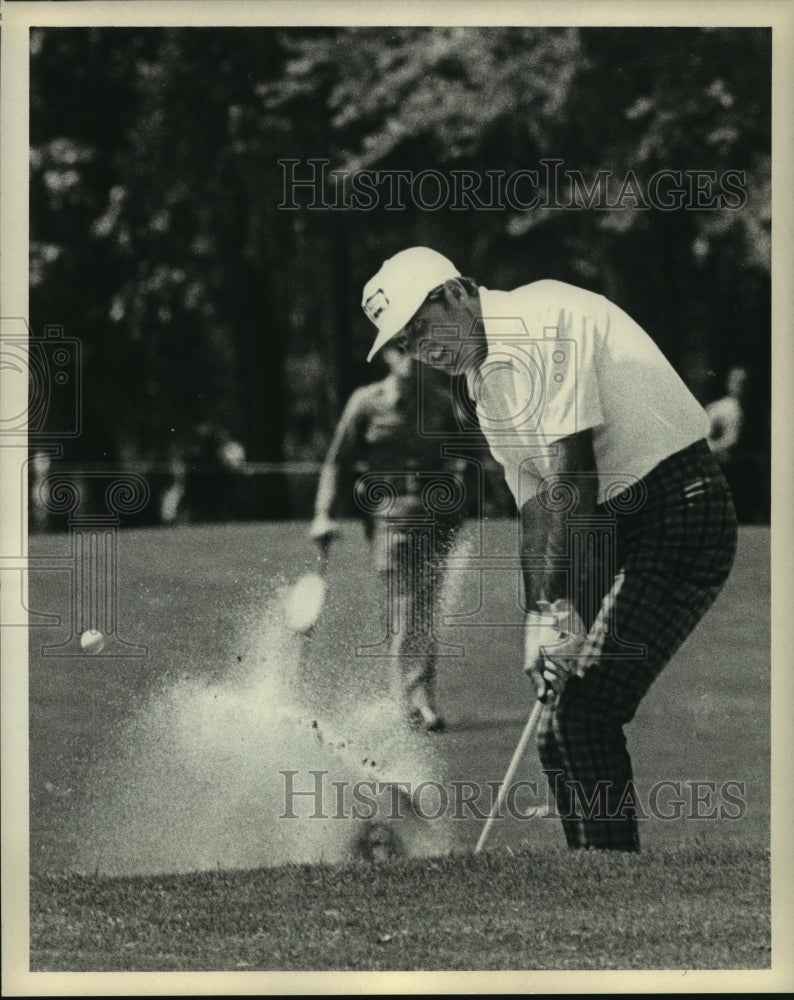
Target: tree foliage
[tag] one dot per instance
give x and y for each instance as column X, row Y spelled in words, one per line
column 157, row 236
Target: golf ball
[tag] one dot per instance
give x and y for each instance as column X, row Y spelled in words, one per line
column 92, row 641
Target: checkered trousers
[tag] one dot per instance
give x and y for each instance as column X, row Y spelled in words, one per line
column 671, row 544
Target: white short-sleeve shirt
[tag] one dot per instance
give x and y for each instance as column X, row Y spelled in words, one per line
column 561, row 360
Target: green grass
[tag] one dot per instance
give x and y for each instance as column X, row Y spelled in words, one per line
column 676, row 909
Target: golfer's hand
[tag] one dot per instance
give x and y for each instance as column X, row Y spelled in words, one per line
column 535, row 673
column 538, row 632
column 554, row 639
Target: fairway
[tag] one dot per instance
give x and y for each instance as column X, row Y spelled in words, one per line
column 175, row 761
column 496, row 295
column 682, row 909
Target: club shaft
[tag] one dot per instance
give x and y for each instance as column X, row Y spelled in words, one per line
column 322, row 558
column 511, row 770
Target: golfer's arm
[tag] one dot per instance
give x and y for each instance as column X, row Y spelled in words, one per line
column 544, row 532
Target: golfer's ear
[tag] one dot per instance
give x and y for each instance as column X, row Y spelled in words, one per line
column 452, row 292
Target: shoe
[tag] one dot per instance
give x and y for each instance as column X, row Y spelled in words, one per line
column 415, row 719
column 427, row 720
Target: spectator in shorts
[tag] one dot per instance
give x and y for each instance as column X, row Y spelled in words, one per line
column 393, row 446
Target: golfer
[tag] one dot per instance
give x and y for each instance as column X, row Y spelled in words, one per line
column 628, row 530
column 386, row 455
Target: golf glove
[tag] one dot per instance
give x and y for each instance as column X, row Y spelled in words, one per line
column 554, row 636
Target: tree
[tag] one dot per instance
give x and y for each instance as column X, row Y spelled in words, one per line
column 147, row 241
column 161, row 236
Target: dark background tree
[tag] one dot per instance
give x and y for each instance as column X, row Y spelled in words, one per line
column 158, row 241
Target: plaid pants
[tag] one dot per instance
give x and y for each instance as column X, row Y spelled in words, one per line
column 641, row 596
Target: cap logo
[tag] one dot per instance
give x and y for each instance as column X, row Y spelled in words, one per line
column 376, row 304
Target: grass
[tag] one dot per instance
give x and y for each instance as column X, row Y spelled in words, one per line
column 676, row 909
column 698, row 897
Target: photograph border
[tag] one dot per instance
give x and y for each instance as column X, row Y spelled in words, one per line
column 17, row 18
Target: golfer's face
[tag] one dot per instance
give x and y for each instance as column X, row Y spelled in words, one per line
column 434, row 337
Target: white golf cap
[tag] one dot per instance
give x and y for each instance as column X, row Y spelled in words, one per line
column 397, row 291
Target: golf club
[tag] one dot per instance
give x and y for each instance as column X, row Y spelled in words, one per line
column 307, row 598
column 519, row 751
